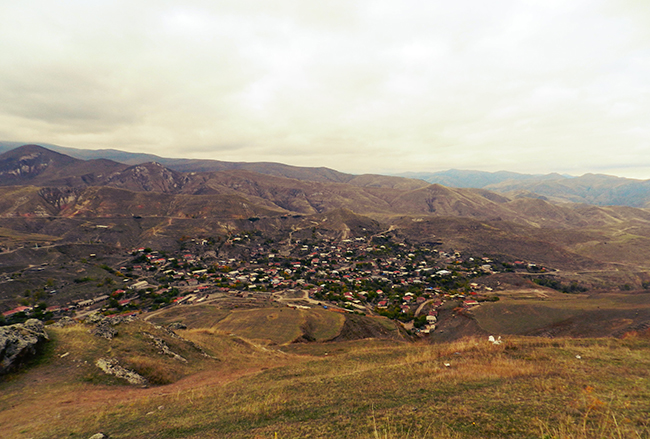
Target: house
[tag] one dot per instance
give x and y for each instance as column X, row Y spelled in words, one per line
column 24, row 309
column 139, row 285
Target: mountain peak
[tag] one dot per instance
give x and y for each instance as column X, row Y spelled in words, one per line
column 30, row 161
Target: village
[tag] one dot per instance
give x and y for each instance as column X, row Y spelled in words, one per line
column 373, row 276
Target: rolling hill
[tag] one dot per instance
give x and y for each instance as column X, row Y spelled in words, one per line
column 596, row 189
column 261, row 300
column 38, row 183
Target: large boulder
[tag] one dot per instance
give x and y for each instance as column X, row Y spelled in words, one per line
column 111, row 366
column 104, row 330
column 65, row 321
column 20, row 342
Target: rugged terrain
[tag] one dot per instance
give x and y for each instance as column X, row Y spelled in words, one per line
column 228, row 386
column 308, row 302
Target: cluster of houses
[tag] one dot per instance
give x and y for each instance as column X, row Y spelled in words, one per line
column 379, row 275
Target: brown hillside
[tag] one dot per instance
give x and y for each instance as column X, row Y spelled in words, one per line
column 35, row 165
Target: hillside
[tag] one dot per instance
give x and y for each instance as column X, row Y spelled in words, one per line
column 193, row 165
column 151, row 205
column 472, row 179
column 35, row 165
column 301, row 302
column 47, row 222
column 595, row 189
column 228, row 386
column 365, row 194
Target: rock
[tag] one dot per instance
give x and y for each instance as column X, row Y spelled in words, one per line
column 164, row 349
column 65, row 321
column 177, row 325
column 111, row 366
column 19, row 342
column 94, row 317
column 104, row 330
column 172, row 334
column 99, row 436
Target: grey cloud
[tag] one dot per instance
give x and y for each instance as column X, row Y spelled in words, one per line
column 361, row 85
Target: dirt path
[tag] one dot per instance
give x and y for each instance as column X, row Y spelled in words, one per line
column 419, row 310
column 278, row 298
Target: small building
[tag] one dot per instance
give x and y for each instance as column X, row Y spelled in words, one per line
column 139, row 285
column 24, row 309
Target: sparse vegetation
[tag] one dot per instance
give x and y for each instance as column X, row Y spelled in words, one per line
column 571, row 288
column 283, row 295
column 524, row 387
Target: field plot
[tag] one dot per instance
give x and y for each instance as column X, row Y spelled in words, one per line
column 578, row 315
column 519, row 318
column 283, row 325
column 195, row 316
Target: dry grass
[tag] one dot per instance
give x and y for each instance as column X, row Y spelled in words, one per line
column 598, row 420
column 282, row 325
column 194, row 316
column 526, row 387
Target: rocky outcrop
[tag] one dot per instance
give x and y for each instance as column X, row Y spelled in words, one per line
column 164, row 349
column 111, row 366
column 104, row 330
column 94, row 318
column 172, row 334
column 105, row 325
column 65, row 321
column 60, row 197
column 20, row 342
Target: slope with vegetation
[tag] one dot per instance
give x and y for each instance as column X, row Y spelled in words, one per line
column 214, row 299
column 523, row 387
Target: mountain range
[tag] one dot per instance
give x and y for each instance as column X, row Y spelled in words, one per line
column 47, row 196
column 57, row 184
column 595, row 189
column 233, row 279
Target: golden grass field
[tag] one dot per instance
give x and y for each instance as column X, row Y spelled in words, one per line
column 271, row 325
column 523, row 388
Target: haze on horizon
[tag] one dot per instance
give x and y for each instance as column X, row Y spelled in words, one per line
column 361, row 86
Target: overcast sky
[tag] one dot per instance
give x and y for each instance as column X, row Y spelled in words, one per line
column 360, row 86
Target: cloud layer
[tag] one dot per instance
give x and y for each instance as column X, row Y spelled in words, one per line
column 360, row 86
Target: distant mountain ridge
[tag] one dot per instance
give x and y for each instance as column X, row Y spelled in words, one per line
column 56, row 197
column 476, row 179
column 43, row 183
column 194, row 165
column 595, row 189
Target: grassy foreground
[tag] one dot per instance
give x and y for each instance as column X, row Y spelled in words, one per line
column 523, row 388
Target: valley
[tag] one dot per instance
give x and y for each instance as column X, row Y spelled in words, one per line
column 307, row 302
